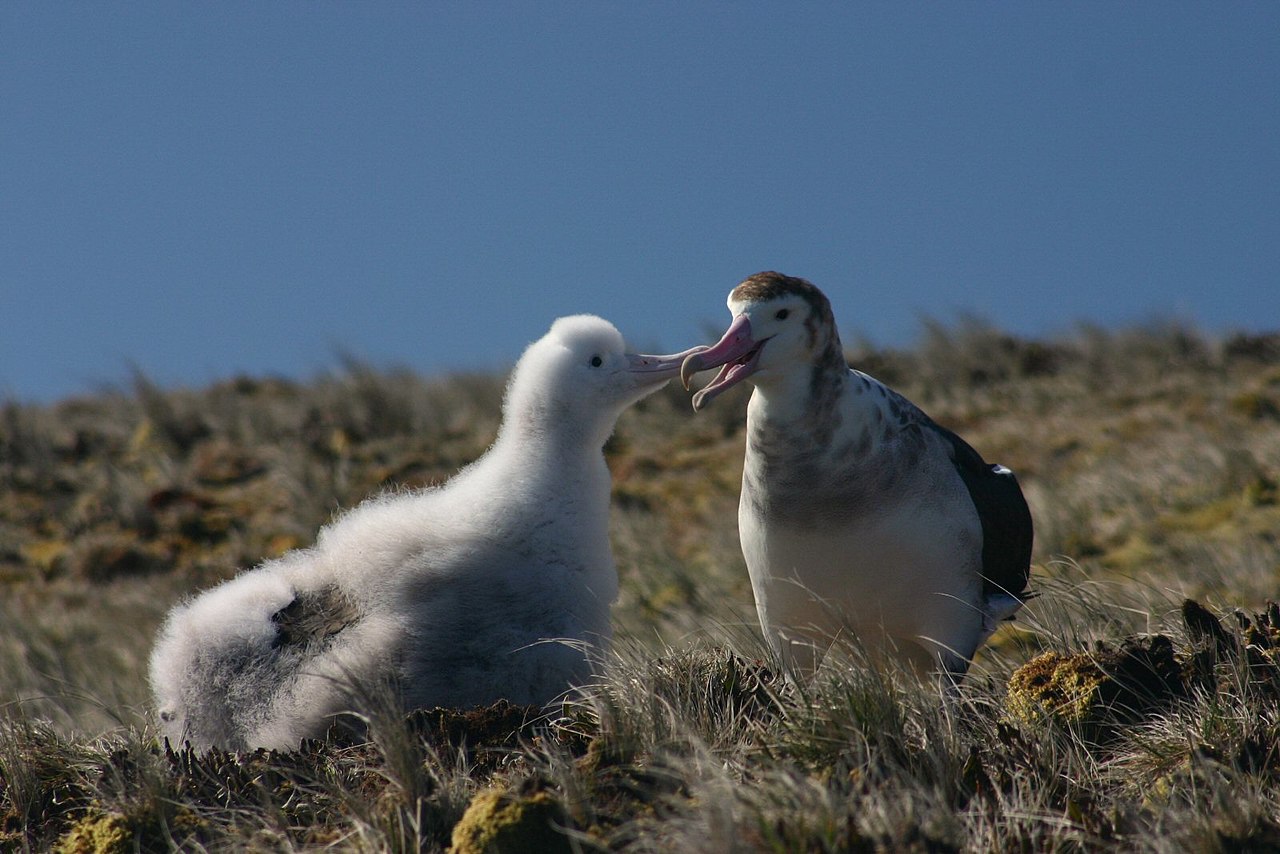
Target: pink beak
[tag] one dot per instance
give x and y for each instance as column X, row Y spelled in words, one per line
column 736, row 354
column 639, row 363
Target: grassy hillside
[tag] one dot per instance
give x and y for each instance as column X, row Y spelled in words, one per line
column 1150, row 457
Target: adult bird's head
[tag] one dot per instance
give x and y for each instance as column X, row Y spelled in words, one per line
column 779, row 323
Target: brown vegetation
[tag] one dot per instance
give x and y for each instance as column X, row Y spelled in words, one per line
column 1151, row 459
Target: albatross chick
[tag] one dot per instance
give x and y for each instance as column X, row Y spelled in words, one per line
column 489, row 587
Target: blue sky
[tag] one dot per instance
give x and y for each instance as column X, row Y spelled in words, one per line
column 203, row 190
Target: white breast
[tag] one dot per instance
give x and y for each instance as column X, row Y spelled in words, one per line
column 907, row 575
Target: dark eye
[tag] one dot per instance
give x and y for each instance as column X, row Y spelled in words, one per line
column 596, row 361
column 782, row 313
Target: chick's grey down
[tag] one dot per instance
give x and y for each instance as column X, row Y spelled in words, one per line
column 457, row 595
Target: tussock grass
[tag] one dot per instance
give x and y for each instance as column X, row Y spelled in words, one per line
column 1150, row 456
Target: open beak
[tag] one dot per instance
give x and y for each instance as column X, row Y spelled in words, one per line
column 736, row 354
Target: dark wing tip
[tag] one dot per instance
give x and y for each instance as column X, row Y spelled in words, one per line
column 1008, row 532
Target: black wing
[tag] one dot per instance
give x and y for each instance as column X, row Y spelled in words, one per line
column 1007, row 531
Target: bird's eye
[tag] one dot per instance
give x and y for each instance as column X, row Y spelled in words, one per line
column 596, row 361
column 782, row 313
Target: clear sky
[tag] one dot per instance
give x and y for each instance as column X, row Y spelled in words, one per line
column 206, row 189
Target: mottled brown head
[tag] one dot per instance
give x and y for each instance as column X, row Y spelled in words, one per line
column 768, row 285
column 780, row 324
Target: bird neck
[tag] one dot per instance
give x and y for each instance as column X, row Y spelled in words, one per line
column 802, row 398
column 806, row 389
column 553, row 481
column 564, row 448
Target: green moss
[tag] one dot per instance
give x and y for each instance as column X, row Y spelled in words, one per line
column 499, row 822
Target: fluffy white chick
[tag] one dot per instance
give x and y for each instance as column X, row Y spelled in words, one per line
column 491, row 586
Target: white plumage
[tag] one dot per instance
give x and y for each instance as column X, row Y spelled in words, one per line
column 455, row 596
column 858, row 513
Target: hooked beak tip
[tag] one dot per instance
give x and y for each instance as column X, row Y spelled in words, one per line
column 690, row 366
column 686, row 371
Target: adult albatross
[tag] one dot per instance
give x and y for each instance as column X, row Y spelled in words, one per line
column 858, row 512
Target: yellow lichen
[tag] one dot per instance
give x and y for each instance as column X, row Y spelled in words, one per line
column 1099, row 688
column 97, row 833
column 500, row 822
column 1063, row 687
